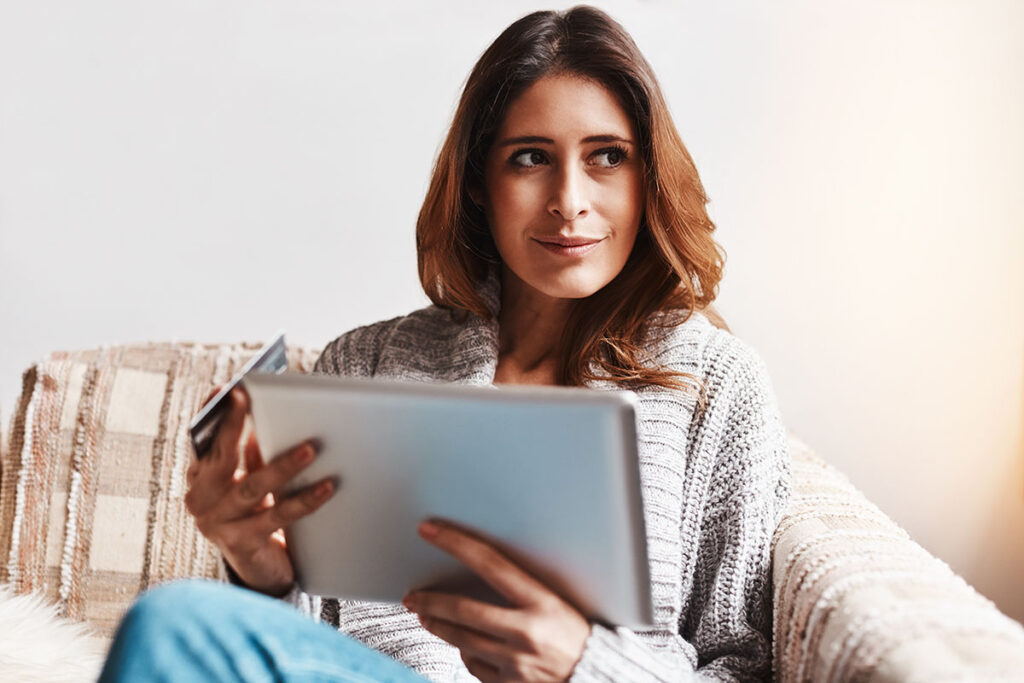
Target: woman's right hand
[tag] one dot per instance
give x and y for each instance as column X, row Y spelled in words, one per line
column 241, row 512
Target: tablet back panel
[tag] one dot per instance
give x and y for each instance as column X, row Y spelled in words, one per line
column 548, row 474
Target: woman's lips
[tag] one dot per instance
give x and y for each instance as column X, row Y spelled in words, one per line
column 578, row 250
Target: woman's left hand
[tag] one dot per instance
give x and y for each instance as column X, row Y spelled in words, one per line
column 539, row 638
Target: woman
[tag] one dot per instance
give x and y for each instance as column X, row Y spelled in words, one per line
column 563, row 240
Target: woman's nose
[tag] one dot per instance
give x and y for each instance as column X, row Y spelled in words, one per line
column 568, row 196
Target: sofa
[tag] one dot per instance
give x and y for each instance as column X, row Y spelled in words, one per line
column 92, row 479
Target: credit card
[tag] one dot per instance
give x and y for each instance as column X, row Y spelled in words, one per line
column 203, row 428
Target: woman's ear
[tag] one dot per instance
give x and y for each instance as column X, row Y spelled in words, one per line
column 475, row 195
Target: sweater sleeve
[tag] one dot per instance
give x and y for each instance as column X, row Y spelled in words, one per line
column 295, row 596
column 356, row 352
column 729, row 619
column 727, row 610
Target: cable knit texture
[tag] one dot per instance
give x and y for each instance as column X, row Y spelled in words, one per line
column 715, row 484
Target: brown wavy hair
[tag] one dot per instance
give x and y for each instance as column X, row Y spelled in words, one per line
column 675, row 265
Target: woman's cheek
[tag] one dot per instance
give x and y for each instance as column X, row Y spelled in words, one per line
column 516, row 207
column 527, row 195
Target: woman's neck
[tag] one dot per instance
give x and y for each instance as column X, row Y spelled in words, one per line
column 530, row 325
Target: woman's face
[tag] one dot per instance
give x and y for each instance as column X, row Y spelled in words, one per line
column 564, row 169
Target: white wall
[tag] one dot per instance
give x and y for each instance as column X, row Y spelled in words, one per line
column 216, row 170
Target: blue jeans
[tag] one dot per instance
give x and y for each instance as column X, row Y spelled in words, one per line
column 198, row 630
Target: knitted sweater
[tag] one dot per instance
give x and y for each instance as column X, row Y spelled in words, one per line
column 715, row 483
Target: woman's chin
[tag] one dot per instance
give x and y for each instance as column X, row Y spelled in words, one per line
column 574, row 282
column 573, row 285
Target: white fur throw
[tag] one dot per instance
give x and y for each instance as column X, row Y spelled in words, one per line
column 39, row 646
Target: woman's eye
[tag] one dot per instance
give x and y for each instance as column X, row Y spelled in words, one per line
column 610, row 157
column 528, row 158
column 614, row 156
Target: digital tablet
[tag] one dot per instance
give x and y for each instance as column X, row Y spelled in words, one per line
column 549, row 475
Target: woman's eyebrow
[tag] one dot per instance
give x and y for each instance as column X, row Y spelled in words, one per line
column 538, row 140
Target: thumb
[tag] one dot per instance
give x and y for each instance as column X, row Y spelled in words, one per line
column 253, row 456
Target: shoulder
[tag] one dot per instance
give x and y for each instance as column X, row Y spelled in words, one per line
column 738, row 436
column 740, row 432
column 356, row 353
column 737, row 403
column 715, row 356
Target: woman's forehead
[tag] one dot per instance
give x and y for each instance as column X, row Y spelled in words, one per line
column 566, row 108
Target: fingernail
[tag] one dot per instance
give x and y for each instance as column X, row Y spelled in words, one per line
column 409, row 601
column 324, row 489
column 304, row 455
column 428, row 529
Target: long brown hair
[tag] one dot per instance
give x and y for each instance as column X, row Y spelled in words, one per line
column 675, row 265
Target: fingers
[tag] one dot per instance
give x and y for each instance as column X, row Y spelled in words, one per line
column 474, row 645
column 481, row 669
column 212, row 476
column 519, row 587
column 270, row 478
column 256, row 528
column 500, row 622
column 229, row 432
column 193, row 473
column 253, row 456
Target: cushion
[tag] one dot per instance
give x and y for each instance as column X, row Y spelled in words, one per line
column 93, row 478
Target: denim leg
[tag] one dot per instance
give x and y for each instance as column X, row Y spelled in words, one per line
column 198, row 630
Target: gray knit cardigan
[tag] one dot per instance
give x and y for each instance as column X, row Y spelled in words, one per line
column 715, row 483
